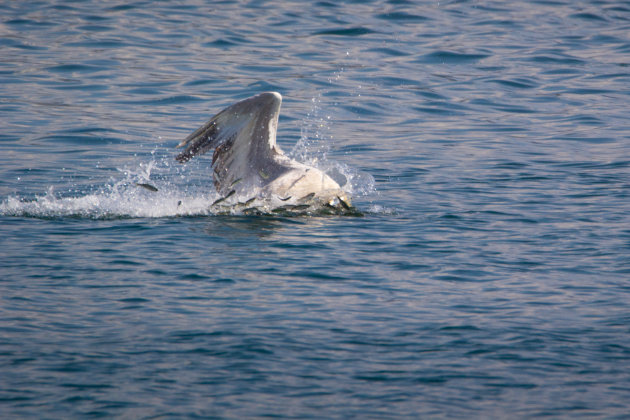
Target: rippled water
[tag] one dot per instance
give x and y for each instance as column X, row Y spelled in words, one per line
column 486, row 143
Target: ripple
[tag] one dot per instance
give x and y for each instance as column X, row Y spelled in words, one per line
column 520, row 83
column 450, row 57
column 354, row 31
column 168, row 100
column 74, row 68
column 588, row 17
column 402, row 16
column 548, row 59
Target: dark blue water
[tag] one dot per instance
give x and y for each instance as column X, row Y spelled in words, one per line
column 486, row 143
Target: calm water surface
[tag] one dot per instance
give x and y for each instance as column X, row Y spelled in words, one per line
column 487, row 144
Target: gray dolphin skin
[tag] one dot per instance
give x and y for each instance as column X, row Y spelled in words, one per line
column 247, row 160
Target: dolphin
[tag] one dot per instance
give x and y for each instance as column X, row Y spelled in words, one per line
column 247, row 160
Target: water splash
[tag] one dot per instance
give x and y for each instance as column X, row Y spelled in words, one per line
column 122, row 196
column 315, row 138
column 315, row 143
column 155, row 186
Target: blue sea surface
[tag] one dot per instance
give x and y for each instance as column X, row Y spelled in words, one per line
column 486, row 144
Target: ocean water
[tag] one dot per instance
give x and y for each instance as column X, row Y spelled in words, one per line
column 486, row 143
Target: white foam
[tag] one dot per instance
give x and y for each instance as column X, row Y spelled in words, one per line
column 122, row 199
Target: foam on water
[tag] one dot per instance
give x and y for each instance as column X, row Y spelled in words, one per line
column 124, row 198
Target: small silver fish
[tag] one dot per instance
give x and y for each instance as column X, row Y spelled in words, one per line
column 343, row 203
column 300, row 207
column 251, row 211
column 230, row 194
column 147, row 186
column 307, row 197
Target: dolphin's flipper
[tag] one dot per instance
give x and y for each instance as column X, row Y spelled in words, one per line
column 243, row 137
